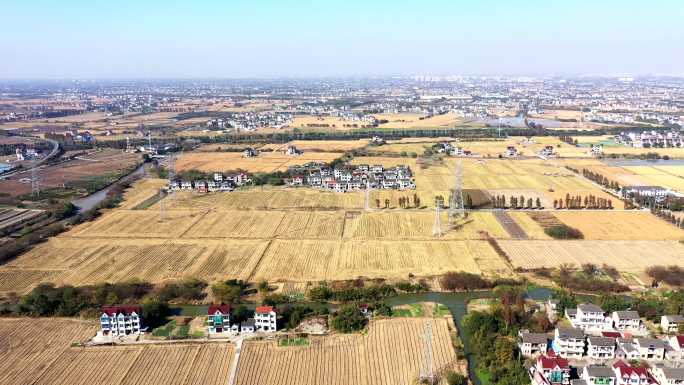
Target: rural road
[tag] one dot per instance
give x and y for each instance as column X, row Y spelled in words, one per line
column 236, row 359
column 88, row 202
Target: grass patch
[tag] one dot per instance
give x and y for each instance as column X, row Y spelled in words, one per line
column 181, row 331
column 166, row 330
column 302, row 341
column 414, row 310
column 441, row 310
column 401, row 313
column 484, row 376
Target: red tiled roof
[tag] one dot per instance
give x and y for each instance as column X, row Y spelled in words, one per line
column 611, row 334
column 626, row 370
column 264, row 309
column 680, row 340
column 224, row 309
column 125, row 309
column 552, row 362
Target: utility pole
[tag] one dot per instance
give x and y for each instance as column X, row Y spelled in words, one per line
column 437, row 227
column 35, row 187
column 456, row 207
column 426, row 373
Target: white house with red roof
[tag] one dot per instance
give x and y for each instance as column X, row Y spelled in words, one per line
column 550, row 369
column 265, row 319
column 218, row 319
column 121, row 320
column 626, row 374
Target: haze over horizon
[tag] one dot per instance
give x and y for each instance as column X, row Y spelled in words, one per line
column 267, row 39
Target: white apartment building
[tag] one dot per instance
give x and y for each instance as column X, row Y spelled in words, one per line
column 265, row 319
column 568, row 342
column 650, row 348
column 121, row 320
column 628, row 321
column 532, row 344
column 668, row 376
column 601, row 348
column 671, row 323
column 598, row 375
column 589, row 317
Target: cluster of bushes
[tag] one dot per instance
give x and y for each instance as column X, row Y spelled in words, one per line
column 493, row 343
column 229, row 291
column 671, row 275
column 187, row 290
column 563, row 232
column 69, row 301
column 467, row 281
column 668, row 216
column 583, row 282
column 372, row 293
column 600, row 179
column 276, row 178
column 348, row 319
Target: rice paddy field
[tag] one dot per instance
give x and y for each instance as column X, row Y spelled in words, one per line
column 28, row 357
column 319, row 145
column 620, row 225
column 645, row 174
column 629, row 256
column 390, row 353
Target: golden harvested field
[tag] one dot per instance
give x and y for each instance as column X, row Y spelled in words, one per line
column 142, row 190
column 137, row 223
column 264, row 199
column 28, row 346
column 306, row 260
column 531, row 228
column 319, row 145
column 670, row 176
column 417, row 148
column 77, row 261
column 265, row 162
column 619, row 149
column 413, row 120
column 390, row 353
column 269, row 224
column 177, row 364
column 418, row 225
column 620, row 225
column 628, row 256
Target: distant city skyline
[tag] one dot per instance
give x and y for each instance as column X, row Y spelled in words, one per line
column 303, row 39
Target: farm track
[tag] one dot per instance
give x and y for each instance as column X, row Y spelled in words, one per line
column 511, row 226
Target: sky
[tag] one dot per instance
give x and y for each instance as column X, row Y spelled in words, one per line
column 89, row 39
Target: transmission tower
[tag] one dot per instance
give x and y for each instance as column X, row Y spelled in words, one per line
column 456, row 208
column 426, row 373
column 437, row 227
column 35, row 186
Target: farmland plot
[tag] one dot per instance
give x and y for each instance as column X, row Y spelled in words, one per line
column 142, row 190
column 305, row 260
column 177, row 364
column 115, row 260
column 264, row 162
column 620, row 225
column 25, row 352
column 267, row 198
column 628, row 256
column 140, row 223
column 391, row 353
column 419, row 225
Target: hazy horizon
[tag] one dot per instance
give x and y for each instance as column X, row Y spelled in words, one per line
column 314, row 39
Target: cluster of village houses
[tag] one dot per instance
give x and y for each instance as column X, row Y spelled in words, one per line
column 126, row 320
column 344, row 177
column 650, row 139
column 220, row 182
column 546, row 152
column 598, row 347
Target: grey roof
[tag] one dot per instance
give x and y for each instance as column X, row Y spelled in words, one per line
column 248, row 323
column 578, row 382
column 535, row 338
column 658, row 344
column 570, row 333
column 674, row 318
column 590, row 307
column 628, row 347
column 571, row 311
column 601, row 341
column 627, row 314
column 674, row 373
column 599, row 371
